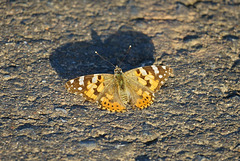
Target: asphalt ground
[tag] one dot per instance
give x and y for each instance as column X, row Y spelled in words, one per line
column 195, row 116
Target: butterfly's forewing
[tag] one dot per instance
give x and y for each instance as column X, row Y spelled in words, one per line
column 86, row 86
column 153, row 77
column 144, row 81
column 98, row 88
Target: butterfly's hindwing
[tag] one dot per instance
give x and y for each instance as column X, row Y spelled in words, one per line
column 110, row 99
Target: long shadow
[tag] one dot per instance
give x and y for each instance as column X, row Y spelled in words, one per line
column 75, row 59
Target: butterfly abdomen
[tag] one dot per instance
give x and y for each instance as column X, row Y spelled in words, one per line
column 121, row 87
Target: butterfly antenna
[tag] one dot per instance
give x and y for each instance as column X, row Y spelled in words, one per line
column 104, row 58
column 128, row 51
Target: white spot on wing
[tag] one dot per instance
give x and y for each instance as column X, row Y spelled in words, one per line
column 71, row 81
column 94, row 78
column 79, row 88
column 143, row 71
column 81, row 80
column 164, row 67
column 156, row 71
column 160, row 76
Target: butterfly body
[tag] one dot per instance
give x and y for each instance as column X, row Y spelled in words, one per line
column 113, row 92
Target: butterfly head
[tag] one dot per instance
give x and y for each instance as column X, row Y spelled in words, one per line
column 117, row 71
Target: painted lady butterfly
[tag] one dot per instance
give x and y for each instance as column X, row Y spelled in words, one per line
column 114, row 91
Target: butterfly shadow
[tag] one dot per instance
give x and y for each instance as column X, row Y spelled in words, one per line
column 78, row 58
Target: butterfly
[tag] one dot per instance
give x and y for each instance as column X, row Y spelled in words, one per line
column 113, row 92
